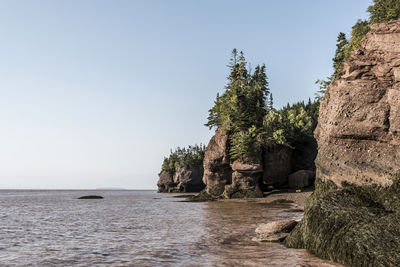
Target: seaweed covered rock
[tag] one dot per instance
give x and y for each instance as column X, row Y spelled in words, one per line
column 352, row 225
column 353, row 215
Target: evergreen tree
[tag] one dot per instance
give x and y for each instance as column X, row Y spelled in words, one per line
column 240, row 110
column 270, row 102
column 384, row 10
column 340, row 54
column 184, row 157
column 359, row 30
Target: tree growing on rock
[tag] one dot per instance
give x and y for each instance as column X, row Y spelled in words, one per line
column 384, row 10
column 246, row 114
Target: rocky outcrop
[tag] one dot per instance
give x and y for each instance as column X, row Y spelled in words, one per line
column 227, row 179
column 240, row 180
column 245, row 180
column 182, row 180
column 217, row 169
column 189, row 179
column 165, row 182
column 353, row 215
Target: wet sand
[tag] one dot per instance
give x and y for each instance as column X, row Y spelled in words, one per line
column 296, row 199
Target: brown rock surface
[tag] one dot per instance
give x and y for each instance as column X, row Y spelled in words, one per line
column 274, row 231
column 165, row 181
column 245, row 180
column 359, row 120
column 352, row 217
column 182, row 180
column 189, row 179
column 217, row 169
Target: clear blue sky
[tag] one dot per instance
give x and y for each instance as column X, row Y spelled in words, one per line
column 95, row 93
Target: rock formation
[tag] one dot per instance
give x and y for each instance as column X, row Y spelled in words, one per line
column 235, row 179
column 182, row 180
column 245, row 180
column 353, row 216
column 217, row 169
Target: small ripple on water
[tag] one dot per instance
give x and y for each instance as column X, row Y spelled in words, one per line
column 127, row 228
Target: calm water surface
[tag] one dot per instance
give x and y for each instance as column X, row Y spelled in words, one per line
column 137, row 228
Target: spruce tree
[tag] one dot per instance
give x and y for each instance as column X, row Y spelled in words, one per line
column 270, row 102
column 340, row 54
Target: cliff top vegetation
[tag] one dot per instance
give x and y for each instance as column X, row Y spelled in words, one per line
column 245, row 112
column 189, row 157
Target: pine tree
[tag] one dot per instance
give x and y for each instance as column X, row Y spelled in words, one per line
column 270, row 102
column 340, row 54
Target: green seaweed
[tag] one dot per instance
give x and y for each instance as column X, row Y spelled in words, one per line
column 352, row 225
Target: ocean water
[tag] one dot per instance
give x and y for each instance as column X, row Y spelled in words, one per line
column 138, row 228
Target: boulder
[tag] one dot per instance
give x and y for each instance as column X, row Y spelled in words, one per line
column 352, row 217
column 274, row 231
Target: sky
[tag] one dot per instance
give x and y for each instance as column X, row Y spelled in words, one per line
column 94, row 93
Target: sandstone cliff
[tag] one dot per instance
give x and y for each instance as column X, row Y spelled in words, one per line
column 353, row 215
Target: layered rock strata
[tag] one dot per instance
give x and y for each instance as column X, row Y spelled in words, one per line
column 353, row 215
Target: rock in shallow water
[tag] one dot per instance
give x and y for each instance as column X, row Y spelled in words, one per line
column 274, row 231
column 91, row 197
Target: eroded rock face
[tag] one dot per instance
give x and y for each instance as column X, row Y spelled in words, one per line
column 217, row 170
column 359, row 120
column 353, row 215
column 189, row 180
column 165, row 181
column 245, row 180
column 183, row 180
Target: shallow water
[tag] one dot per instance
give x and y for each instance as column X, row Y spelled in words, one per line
column 137, row 228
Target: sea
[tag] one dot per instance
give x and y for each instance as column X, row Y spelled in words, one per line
column 138, row 228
